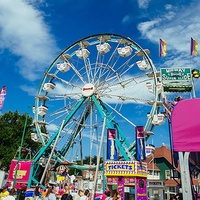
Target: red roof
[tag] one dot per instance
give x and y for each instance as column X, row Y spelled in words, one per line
column 172, row 182
column 162, row 152
column 152, row 166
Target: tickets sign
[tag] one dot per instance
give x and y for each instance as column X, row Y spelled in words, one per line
column 125, row 168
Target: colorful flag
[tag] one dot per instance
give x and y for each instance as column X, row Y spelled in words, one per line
column 194, row 47
column 163, row 48
column 2, row 96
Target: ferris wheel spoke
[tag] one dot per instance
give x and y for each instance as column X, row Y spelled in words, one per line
column 131, row 84
column 72, row 95
column 123, row 68
column 117, row 77
column 78, row 74
column 125, row 99
column 91, row 72
column 118, row 113
column 98, row 67
column 126, row 67
column 67, row 82
column 110, row 72
column 107, row 70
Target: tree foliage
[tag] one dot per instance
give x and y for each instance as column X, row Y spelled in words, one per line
column 93, row 161
column 12, row 125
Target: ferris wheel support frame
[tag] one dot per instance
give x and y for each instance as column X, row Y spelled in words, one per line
column 108, row 124
column 98, row 158
column 44, row 148
column 103, row 114
column 51, row 154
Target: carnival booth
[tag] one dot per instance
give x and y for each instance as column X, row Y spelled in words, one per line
column 129, row 178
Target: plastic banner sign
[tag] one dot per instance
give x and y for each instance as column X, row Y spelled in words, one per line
column 23, row 171
column 140, row 144
column 111, row 148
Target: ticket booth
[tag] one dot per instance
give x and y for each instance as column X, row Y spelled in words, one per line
column 129, row 178
column 155, row 189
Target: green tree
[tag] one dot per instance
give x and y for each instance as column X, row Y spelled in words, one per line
column 93, row 160
column 11, row 129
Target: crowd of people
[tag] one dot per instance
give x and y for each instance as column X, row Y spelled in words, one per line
column 55, row 192
column 63, row 193
column 72, row 191
column 66, row 192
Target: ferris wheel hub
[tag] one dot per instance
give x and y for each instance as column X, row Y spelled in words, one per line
column 88, row 90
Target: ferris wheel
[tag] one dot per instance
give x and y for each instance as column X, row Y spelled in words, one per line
column 100, row 82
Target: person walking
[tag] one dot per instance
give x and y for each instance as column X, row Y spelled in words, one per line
column 67, row 195
column 36, row 192
column 61, row 191
column 44, row 193
column 4, row 192
column 11, row 195
column 117, row 196
column 76, row 196
column 108, row 194
column 82, row 195
column 50, row 194
column 87, row 194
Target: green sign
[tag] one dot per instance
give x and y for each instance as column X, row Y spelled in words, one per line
column 176, row 74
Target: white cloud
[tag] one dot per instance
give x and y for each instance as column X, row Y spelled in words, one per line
column 143, row 3
column 52, row 128
column 24, row 33
column 168, row 6
column 30, row 90
column 146, row 27
column 174, row 27
column 127, row 19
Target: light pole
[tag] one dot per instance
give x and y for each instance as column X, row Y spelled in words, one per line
column 20, row 150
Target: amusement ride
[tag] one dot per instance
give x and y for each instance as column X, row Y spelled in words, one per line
column 90, row 87
column 102, row 82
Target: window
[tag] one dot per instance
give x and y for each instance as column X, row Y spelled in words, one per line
column 173, row 189
column 167, row 174
column 156, row 173
column 175, row 173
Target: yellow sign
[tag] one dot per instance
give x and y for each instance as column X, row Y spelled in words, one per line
column 125, row 168
column 21, row 174
column 60, row 178
column 120, row 168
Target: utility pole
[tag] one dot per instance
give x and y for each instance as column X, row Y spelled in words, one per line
column 20, row 150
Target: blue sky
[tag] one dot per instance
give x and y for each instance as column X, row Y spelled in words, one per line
column 34, row 32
